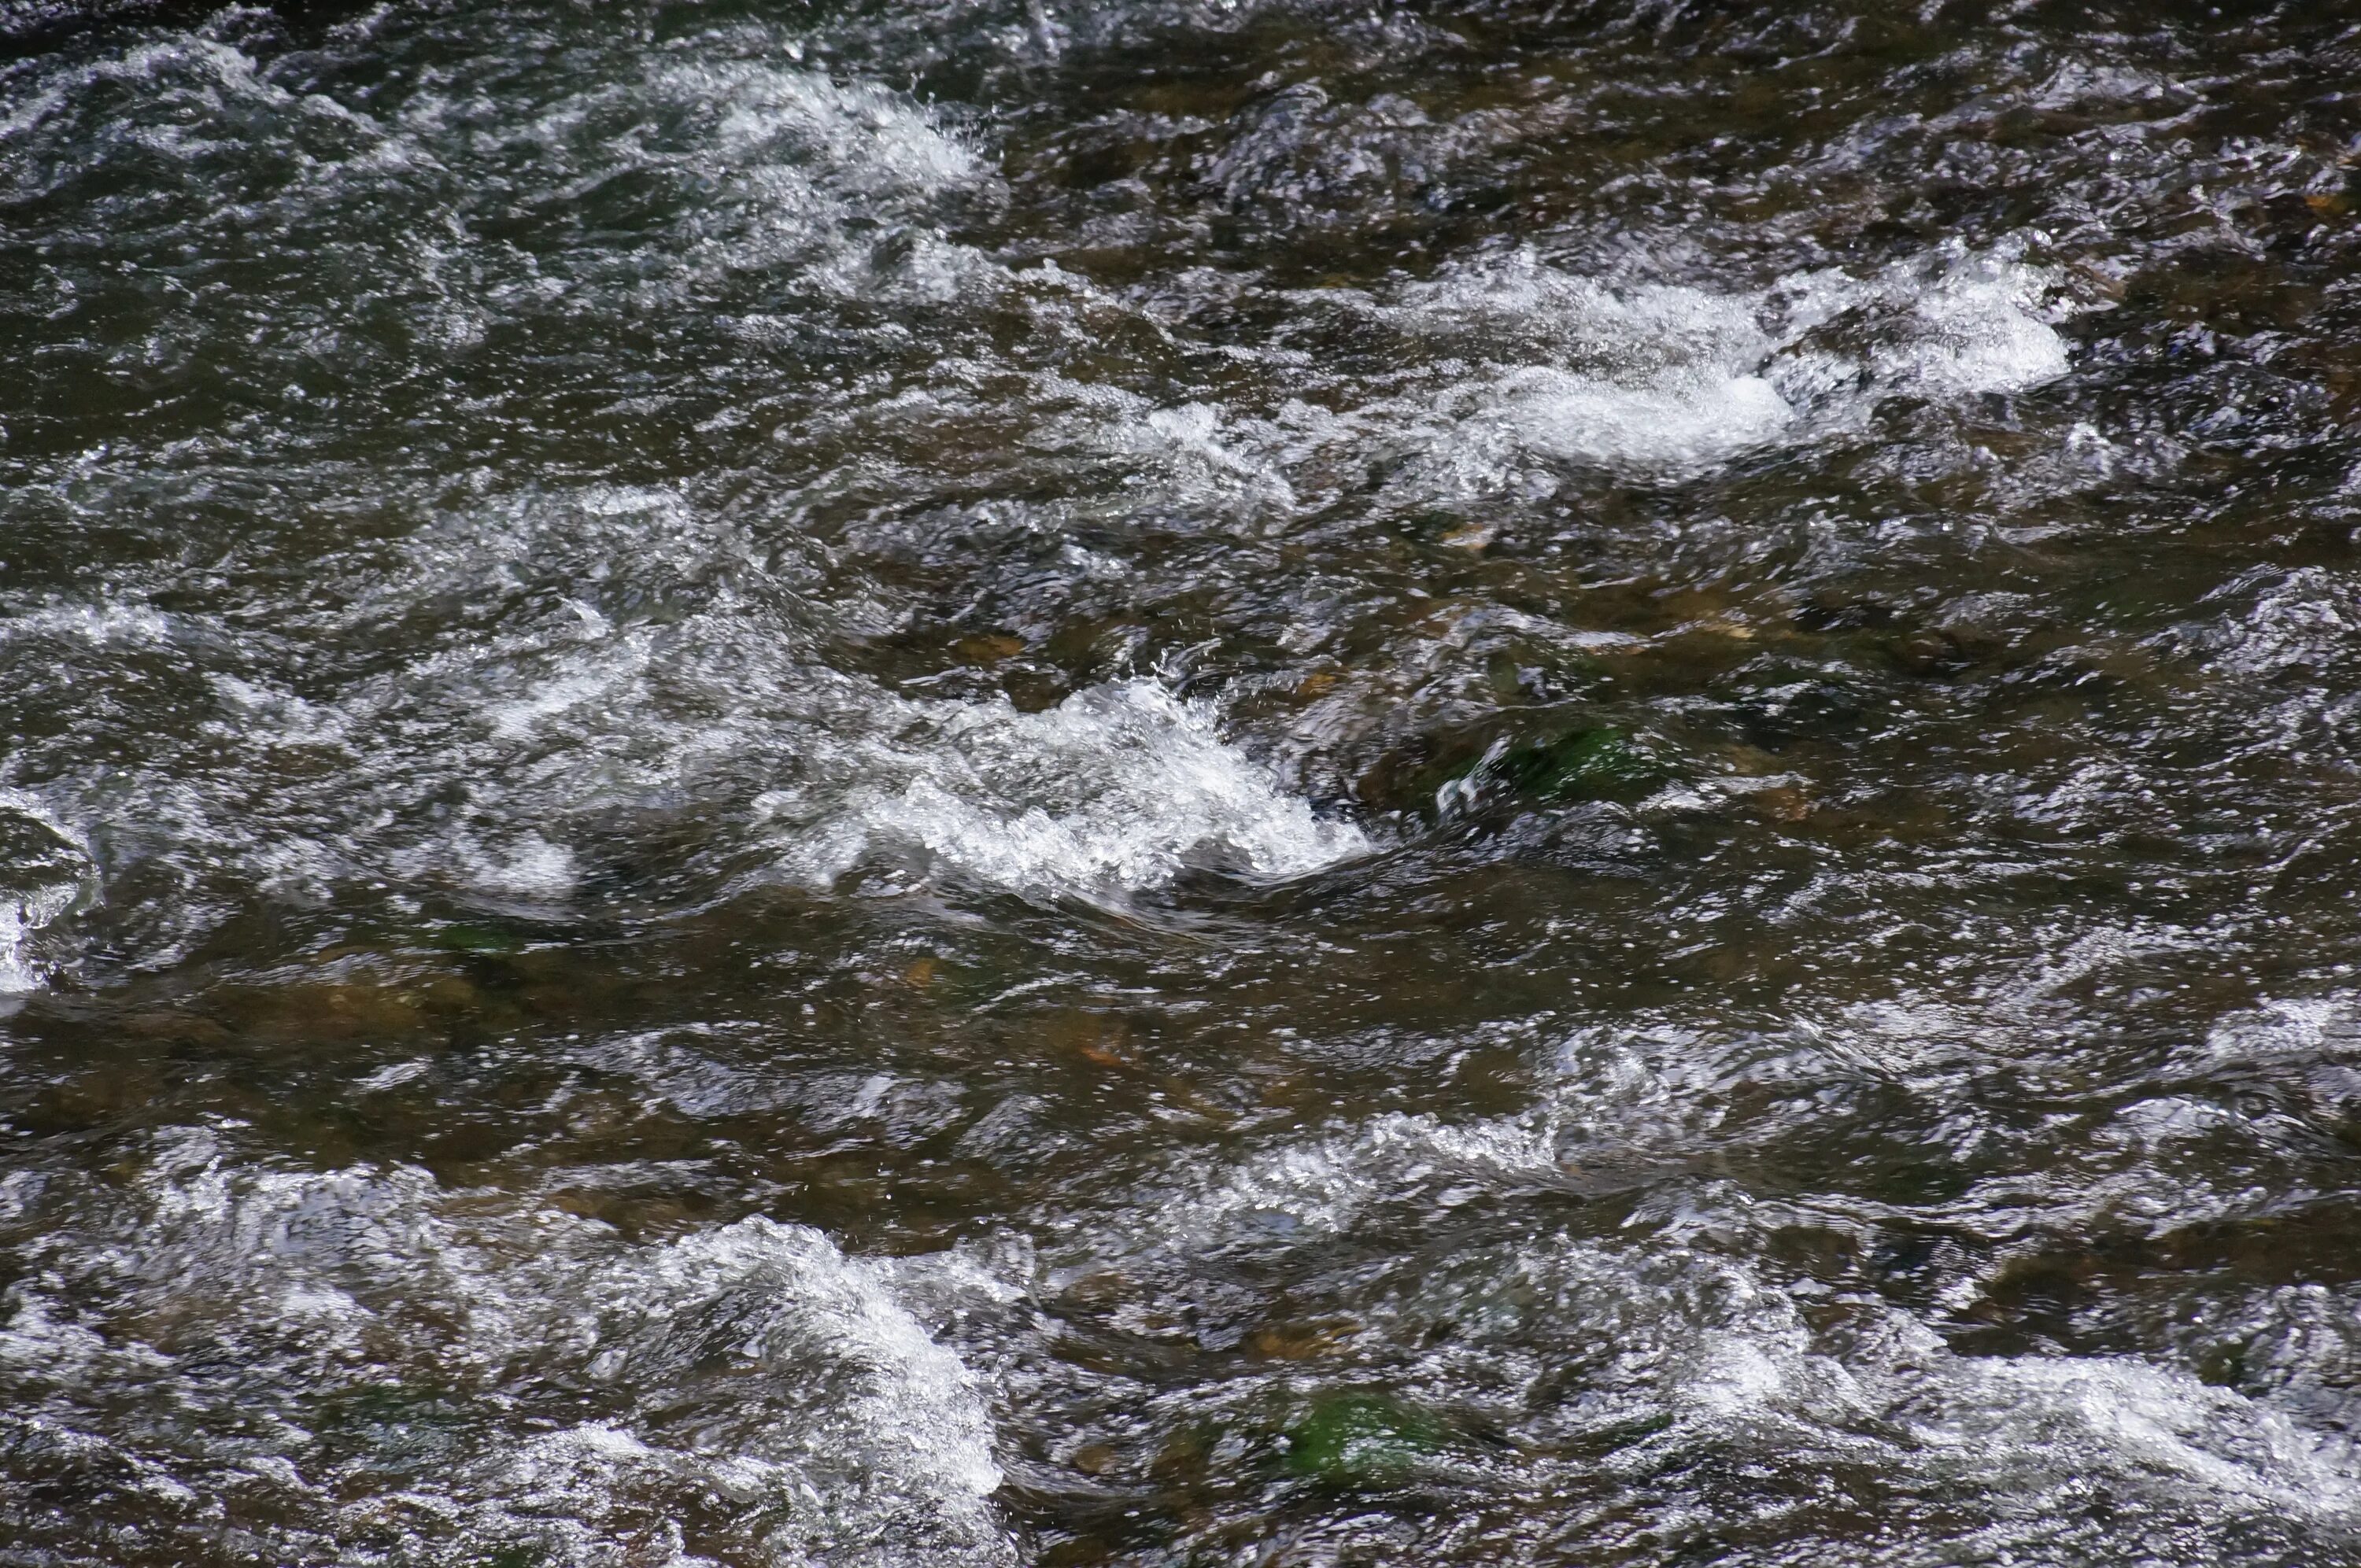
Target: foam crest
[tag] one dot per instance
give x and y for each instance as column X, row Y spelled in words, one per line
column 1647, row 378
column 712, row 156
column 750, row 1367
column 1670, row 380
column 46, row 871
column 1119, row 788
column 861, row 137
column 2274, row 621
column 2021, row 1415
column 799, row 159
column 1634, row 1356
column 1978, row 324
column 2324, row 1029
column 530, row 739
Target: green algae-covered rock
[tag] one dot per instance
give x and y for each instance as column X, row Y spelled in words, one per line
column 1578, row 764
column 1360, row 1438
column 476, row 938
column 1597, row 763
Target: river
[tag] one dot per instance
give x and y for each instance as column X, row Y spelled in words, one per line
column 909, row 783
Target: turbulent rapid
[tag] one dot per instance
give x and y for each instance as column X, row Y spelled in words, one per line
column 899, row 783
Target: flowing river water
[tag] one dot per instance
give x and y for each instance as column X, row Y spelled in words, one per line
column 1182, row 781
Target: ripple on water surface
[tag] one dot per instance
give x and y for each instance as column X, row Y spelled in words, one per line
column 989, row 782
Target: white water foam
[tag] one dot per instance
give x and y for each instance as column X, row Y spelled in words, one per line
column 796, row 156
column 45, row 871
column 1117, row 789
column 529, row 737
column 1677, row 1333
column 1642, row 378
column 2322, row 1029
column 787, row 166
column 2274, row 621
column 1653, row 380
column 1564, row 1342
column 751, row 1376
column 18, row 973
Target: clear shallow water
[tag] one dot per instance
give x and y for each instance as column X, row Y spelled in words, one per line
column 1179, row 785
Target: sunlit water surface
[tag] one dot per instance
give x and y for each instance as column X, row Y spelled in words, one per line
column 942, row 782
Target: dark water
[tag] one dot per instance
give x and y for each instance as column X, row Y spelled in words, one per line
column 966, row 783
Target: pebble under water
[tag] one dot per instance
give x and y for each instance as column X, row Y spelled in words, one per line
column 944, row 783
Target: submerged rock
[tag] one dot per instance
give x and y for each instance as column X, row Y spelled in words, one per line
column 1361, row 1438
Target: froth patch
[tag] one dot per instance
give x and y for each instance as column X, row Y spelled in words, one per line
column 498, row 767
column 2273, row 621
column 1656, row 380
column 1117, row 789
column 422, row 1371
column 862, row 138
column 1616, row 1363
column 1693, row 416
column 1645, row 377
column 716, row 154
column 45, row 871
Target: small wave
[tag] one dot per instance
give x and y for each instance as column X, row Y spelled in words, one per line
column 45, row 871
column 1621, row 1364
column 453, row 1371
column 1117, row 789
column 1666, row 379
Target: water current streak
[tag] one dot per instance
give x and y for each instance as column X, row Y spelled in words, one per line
column 948, row 782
